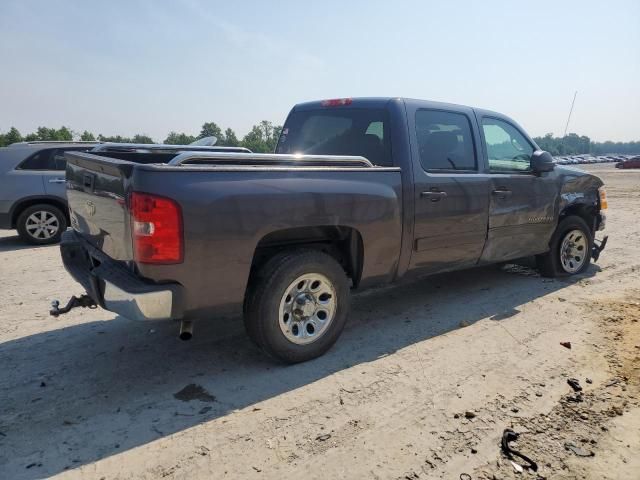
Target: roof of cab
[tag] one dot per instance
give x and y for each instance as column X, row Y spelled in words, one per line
column 382, row 102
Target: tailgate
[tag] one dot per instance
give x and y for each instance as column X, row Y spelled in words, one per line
column 96, row 193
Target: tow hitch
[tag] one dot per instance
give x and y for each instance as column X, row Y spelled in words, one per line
column 597, row 249
column 84, row 301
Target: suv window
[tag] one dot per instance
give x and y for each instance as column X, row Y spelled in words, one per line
column 49, row 159
column 339, row 131
column 59, row 162
column 507, row 149
column 445, row 141
column 42, row 160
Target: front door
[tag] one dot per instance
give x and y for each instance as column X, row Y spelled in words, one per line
column 521, row 210
column 451, row 195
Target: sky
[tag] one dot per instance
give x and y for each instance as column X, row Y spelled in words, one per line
column 135, row 66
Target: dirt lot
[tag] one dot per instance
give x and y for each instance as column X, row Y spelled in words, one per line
column 421, row 385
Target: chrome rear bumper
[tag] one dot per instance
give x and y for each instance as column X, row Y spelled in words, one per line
column 114, row 287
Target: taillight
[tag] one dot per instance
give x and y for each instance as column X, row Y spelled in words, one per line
column 337, row 102
column 156, row 227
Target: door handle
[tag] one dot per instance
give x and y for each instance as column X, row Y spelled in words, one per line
column 434, row 195
column 502, row 192
column 57, row 180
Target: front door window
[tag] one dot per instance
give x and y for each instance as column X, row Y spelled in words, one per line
column 507, row 149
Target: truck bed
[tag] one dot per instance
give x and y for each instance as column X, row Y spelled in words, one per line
column 232, row 206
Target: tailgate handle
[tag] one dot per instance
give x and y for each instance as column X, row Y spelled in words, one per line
column 87, row 181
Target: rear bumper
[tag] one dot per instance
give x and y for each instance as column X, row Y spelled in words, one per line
column 114, row 287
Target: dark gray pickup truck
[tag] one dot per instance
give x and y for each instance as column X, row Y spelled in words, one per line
column 360, row 192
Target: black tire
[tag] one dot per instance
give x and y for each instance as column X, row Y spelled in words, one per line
column 269, row 287
column 550, row 264
column 25, row 225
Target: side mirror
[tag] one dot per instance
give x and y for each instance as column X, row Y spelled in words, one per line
column 542, row 161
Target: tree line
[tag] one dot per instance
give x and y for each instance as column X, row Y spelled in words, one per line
column 574, row 144
column 262, row 138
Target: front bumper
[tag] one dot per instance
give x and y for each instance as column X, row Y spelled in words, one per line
column 114, row 287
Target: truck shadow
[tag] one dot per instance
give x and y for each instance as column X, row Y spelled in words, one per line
column 85, row 392
column 9, row 244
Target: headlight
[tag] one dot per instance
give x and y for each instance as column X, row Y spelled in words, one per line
column 603, row 198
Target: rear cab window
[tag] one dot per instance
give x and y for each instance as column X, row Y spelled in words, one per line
column 338, row 131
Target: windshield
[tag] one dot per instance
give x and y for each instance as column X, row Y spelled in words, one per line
column 343, row 131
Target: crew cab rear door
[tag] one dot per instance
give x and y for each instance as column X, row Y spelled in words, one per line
column 521, row 208
column 451, row 192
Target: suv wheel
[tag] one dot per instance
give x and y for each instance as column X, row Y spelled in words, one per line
column 570, row 253
column 41, row 224
column 298, row 305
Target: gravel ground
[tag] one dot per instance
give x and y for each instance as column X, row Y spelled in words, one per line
column 422, row 384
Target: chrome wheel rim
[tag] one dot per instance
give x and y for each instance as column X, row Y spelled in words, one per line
column 573, row 251
column 42, row 225
column 307, row 308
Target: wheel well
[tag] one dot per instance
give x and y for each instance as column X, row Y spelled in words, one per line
column 586, row 212
column 18, row 209
column 342, row 243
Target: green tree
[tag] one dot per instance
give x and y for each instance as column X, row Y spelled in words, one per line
column 64, row 133
column 141, row 138
column 175, row 138
column 114, row 138
column 211, row 129
column 12, row 136
column 230, row 139
column 262, row 138
column 87, row 136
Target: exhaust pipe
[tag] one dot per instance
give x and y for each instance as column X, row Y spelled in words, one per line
column 186, row 330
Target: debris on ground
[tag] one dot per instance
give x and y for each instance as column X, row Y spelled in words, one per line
column 194, row 392
column 517, row 468
column 579, row 451
column 469, row 414
column 566, row 345
column 509, row 436
column 575, row 384
column 323, row 438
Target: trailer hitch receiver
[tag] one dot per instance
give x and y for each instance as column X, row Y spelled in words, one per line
column 84, row 301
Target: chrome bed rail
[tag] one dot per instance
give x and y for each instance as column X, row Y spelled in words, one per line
column 266, row 159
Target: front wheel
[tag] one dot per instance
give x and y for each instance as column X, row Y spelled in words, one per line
column 298, row 305
column 570, row 252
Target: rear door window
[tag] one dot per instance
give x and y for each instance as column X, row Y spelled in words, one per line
column 42, row 160
column 51, row 159
column 445, row 141
column 340, row 131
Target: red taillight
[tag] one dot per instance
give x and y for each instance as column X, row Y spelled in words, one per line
column 337, row 102
column 156, row 227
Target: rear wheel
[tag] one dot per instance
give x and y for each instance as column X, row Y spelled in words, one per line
column 298, row 305
column 570, row 251
column 41, row 224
